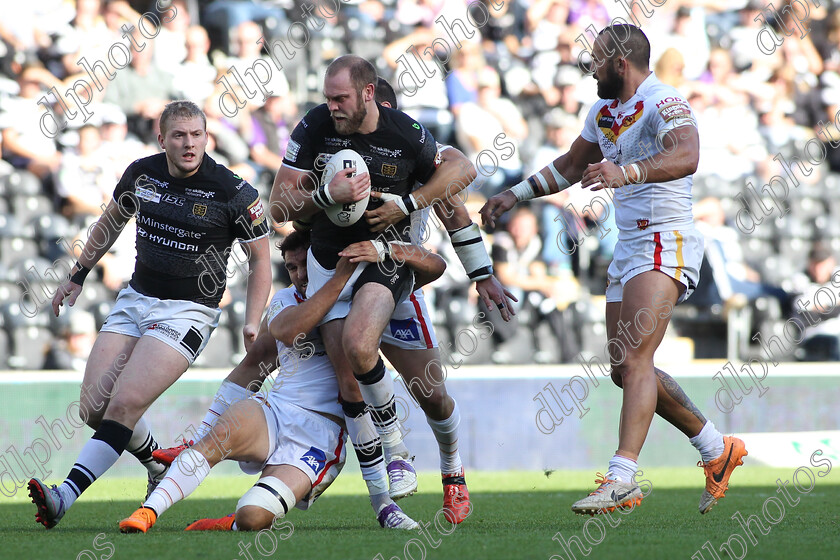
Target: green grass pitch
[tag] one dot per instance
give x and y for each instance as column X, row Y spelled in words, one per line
column 515, row 516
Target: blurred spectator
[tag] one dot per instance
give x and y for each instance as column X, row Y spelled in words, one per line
column 733, row 277
column 118, row 147
column 24, row 145
column 71, row 348
column 141, row 90
column 542, row 297
column 670, row 67
column 172, row 42
column 195, row 78
column 86, row 179
column 248, row 50
column 819, row 313
column 89, row 36
column 688, row 37
column 271, row 127
column 488, row 123
column 462, row 81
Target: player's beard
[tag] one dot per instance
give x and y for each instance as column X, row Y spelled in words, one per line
column 352, row 121
column 611, row 85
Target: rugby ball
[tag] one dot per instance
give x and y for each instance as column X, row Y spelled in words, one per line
column 345, row 214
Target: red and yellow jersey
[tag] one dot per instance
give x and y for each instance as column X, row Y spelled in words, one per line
column 632, row 131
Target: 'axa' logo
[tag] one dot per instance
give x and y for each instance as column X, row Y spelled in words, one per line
column 314, row 459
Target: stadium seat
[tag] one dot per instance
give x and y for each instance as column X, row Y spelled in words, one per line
column 28, row 336
column 28, row 207
column 21, row 182
column 49, row 229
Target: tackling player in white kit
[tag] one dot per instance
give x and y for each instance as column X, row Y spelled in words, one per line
column 648, row 134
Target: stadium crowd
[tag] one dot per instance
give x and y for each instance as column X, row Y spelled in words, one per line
column 82, row 84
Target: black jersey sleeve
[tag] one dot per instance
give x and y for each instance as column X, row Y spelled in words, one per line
column 300, row 152
column 125, row 193
column 248, row 214
column 428, row 156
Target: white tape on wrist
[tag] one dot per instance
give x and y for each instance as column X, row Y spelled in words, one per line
column 385, row 197
column 322, row 198
column 522, row 191
column 561, row 181
column 383, row 250
column 471, row 252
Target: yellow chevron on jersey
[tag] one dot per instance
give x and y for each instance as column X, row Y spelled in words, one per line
column 614, row 126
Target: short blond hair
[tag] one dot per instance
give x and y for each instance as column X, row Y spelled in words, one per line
column 180, row 110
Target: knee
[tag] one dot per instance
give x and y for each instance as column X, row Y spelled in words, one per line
column 362, row 352
column 626, row 367
column 123, row 409
column 89, row 414
column 253, row 518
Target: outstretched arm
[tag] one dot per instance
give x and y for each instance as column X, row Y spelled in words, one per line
column 558, row 175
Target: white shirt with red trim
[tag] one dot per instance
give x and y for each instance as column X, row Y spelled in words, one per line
column 305, row 374
column 632, row 131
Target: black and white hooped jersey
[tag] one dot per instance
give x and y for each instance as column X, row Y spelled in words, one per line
column 398, row 154
column 185, row 226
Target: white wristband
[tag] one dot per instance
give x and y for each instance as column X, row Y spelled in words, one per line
column 522, row 191
column 382, row 248
column 322, row 198
column 396, row 199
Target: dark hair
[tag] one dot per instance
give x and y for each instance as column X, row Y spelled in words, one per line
column 362, row 72
column 294, row 241
column 180, row 110
column 632, row 39
column 385, row 93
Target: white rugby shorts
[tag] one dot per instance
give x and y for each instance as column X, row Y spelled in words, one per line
column 183, row 325
column 410, row 327
column 678, row 254
column 304, row 439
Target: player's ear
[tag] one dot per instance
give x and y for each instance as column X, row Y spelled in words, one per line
column 370, row 92
column 160, row 142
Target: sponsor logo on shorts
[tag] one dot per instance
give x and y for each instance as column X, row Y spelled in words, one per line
column 314, row 459
column 166, row 330
column 404, row 329
column 642, row 223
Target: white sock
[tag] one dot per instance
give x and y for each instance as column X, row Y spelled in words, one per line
column 228, row 393
column 188, row 470
column 623, row 469
column 446, row 434
column 141, row 446
column 380, row 397
column 709, row 442
column 368, row 447
column 94, row 459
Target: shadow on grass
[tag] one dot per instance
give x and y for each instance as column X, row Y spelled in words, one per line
column 513, row 525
